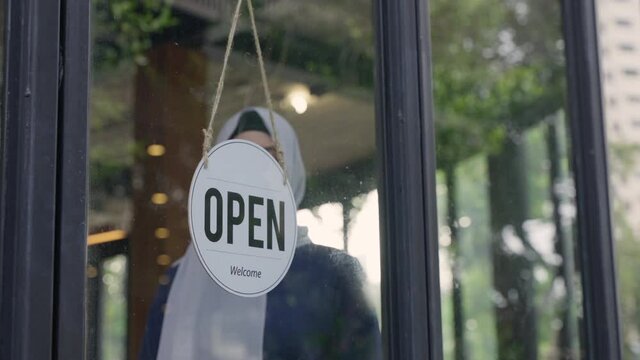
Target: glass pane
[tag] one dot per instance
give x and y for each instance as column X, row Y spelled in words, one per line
column 619, row 38
column 509, row 280
column 155, row 69
column 113, row 308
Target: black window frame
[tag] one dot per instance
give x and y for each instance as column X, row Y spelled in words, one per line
column 411, row 320
column 28, row 196
column 43, row 215
column 44, row 180
column 71, row 244
column 601, row 328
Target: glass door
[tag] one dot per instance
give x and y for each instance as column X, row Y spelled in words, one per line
column 155, row 67
column 510, row 276
column 440, row 155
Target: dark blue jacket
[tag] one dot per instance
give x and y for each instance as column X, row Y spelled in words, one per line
column 318, row 311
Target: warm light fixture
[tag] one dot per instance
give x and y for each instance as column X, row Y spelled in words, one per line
column 299, row 103
column 105, row 237
column 155, row 150
column 159, row 198
column 299, row 98
column 163, row 260
column 162, row 233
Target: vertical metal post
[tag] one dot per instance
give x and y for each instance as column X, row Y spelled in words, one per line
column 408, row 218
column 602, row 332
column 28, row 193
column 71, row 237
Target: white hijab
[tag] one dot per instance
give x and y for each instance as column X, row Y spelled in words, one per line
column 201, row 320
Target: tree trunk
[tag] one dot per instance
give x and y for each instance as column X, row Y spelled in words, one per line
column 513, row 280
column 564, row 248
column 454, row 248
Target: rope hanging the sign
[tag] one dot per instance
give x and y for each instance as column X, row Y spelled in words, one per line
column 265, row 86
column 208, row 133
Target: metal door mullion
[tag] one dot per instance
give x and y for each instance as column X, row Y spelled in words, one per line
column 71, row 237
column 595, row 242
column 28, row 196
column 408, row 218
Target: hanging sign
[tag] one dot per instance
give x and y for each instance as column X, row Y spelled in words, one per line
column 242, row 218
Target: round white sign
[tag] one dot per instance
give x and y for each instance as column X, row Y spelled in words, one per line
column 242, row 218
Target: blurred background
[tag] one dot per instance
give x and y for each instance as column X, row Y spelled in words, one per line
column 510, row 278
column 155, row 69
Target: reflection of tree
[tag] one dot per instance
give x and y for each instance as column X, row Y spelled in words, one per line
column 331, row 39
column 456, row 261
column 498, row 70
column 123, row 29
column 122, row 32
column 624, row 158
column 563, row 245
column 628, row 251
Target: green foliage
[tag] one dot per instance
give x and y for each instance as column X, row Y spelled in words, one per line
column 498, row 72
column 114, row 308
column 628, row 251
column 122, row 32
column 123, row 29
column 538, row 158
column 111, row 155
column 624, row 158
column 475, row 262
column 497, row 68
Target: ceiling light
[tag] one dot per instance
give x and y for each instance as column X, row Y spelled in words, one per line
column 163, row 260
column 155, row 150
column 299, row 103
column 162, row 233
column 159, row 198
column 299, row 98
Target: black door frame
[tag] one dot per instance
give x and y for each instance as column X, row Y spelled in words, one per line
column 44, row 165
column 589, row 153
column 406, row 152
column 71, row 239
column 43, row 216
column 29, row 163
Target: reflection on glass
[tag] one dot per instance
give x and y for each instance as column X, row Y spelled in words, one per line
column 155, row 68
column 113, row 327
column 619, row 39
column 510, row 284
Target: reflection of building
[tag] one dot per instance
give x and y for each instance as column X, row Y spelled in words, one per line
column 619, row 31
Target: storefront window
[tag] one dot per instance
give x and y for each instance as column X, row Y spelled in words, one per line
column 619, row 42
column 510, row 282
column 155, row 67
